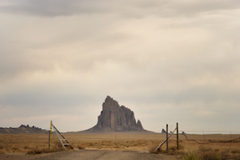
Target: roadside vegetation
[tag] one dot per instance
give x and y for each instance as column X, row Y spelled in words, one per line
column 204, row 153
column 38, row 143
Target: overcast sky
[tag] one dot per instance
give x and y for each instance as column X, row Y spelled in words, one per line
column 167, row 60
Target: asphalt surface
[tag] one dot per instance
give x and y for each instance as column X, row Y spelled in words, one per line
column 89, row 155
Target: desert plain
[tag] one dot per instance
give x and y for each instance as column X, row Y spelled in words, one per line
column 31, row 146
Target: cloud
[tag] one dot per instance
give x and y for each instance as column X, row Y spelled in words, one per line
column 158, row 58
column 205, row 113
column 49, row 8
column 136, row 9
column 62, row 121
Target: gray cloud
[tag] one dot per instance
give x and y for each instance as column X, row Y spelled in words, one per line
column 155, row 57
column 50, row 8
column 135, row 9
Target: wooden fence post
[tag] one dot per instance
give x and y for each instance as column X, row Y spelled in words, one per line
column 167, row 137
column 50, row 136
column 177, row 135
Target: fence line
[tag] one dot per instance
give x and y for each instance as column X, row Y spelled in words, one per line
column 211, row 141
column 202, row 138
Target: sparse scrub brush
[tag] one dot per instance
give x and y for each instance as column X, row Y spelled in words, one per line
column 2, row 151
column 153, row 149
column 80, row 147
column 206, row 154
column 43, row 150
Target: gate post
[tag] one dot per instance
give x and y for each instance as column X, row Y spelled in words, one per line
column 167, row 137
column 177, row 135
column 50, row 136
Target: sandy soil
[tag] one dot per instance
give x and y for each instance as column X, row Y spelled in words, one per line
column 90, row 155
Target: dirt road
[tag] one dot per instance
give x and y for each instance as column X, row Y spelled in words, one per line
column 89, row 155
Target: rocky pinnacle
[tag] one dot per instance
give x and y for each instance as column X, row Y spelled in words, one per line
column 116, row 118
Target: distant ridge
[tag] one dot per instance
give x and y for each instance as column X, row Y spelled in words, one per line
column 23, row 130
column 115, row 118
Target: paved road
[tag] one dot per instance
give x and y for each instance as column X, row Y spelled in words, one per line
column 90, row 155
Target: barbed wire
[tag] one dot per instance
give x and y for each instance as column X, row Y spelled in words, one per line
column 211, row 141
column 194, row 140
column 215, row 132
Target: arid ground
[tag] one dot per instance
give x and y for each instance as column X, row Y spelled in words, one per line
column 89, row 155
column 114, row 146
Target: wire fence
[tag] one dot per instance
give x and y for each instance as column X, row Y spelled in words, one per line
column 213, row 139
column 231, row 139
column 222, row 144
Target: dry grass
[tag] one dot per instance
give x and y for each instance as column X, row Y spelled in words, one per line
column 44, row 150
column 36, row 144
column 209, row 154
column 57, row 146
column 22, row 142
column 27, row 143
column 153, row 149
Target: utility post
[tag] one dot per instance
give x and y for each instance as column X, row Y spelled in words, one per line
column 50, row 136
column 177, row 135
column 167, row 137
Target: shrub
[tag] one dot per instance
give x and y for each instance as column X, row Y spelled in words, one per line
column 191, row 156
column 57, row 144
column 206, row 154
column 38, row 151
column 80, row 147
column 2, row 151
column 15, row 149
column 43, row 150
column 235, row 151
column 173, row 148
column 152, row 149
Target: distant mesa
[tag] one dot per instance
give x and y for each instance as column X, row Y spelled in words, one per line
column 163, row 131
column 23, row 129
column 115, row 118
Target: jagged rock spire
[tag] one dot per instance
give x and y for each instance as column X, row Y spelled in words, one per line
column 116, row 118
